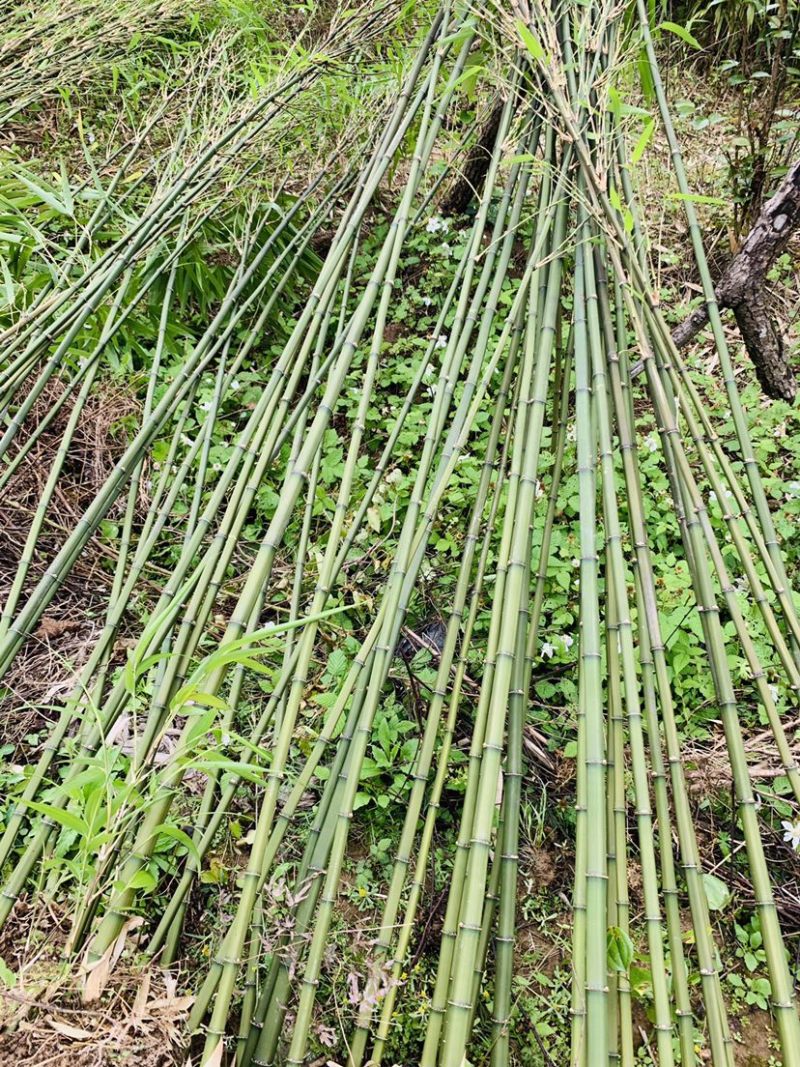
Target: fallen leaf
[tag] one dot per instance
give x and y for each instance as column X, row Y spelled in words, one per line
column 98, row 973
column 55, row 627
column 73, row 1032
column 175, row 1003
column 142, row 993
column 97, row 976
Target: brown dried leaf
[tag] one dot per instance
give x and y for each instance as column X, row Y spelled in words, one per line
column 97, row 977
column 73, row 1032
column 142, row 993
column 49, row 627
column 173, row 1003
column 99, row 972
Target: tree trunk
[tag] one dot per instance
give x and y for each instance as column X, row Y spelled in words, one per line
column 470, row 182
column 741, row 288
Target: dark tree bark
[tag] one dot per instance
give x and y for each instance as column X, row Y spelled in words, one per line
column 741, row 288
column 764, row 344
column 470, row 182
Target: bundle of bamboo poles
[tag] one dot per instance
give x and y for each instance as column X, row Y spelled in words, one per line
column 582, row 312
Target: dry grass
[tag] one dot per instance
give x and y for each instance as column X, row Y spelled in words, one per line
column 45, row 671
column 45, row 1022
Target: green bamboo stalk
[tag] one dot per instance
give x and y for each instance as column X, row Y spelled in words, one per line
column 616, row 582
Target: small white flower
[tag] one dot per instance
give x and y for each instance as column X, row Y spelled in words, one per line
column 394, row 475
column 426, row 300
column 774, row 692
column 429, row 373
column 441, row 340
column 538, row 489
column 567, row 640
column 435, row 224
column 650, row 443
column 575, row 561
column 206, row 405
column 793, row 490
column 234, row 385
column 791, row 833
column 226, row 740
column 446, row 249
column 548, row 650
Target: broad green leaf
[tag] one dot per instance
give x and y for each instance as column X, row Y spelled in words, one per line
column 153, row 631
column 189, row 694
column 257, row 750
column 213, row 763
column 644, row 140
column 10, row 294
column 45, row 196
column 7, row 976
column 697, row 198
column 337, row 663
column 73, row 787
column 143, row 879
column 620, row 949
column 469, row 77
column 683, row 33
column 64, row 818
column 200, row 726
column 181, row 837
column 717, row 893
column 221, row 656
column 530, row 41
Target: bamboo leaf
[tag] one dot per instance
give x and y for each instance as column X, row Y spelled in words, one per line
column 644, row 140
column 531, row 42
column 45, row 196
column 62, row 816
column 175, row 832
column 682, row 32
